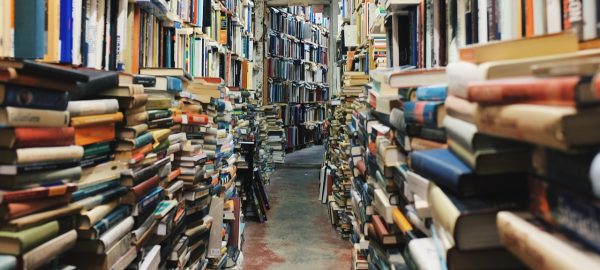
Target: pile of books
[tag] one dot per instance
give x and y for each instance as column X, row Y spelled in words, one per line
column 272, row 134
column 353, row 82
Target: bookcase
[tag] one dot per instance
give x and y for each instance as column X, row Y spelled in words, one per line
column 126, row 154
column 296, row 65
column 441, row 112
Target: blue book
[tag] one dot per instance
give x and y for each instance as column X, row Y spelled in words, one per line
column 110, row 220
column 451, row 174
column 66, row 31
column 425, row 113
column 93, row 190
column 32, row 97
column 174, row 84
column 148, row 202
column 432, row 93
column 142, row 140
column 29, row 39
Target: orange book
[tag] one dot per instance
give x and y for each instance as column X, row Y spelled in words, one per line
column 529, row 20
column 401, row 221
column 94, row 134
column 244, row 74
column 135, row 55
column 94, row 120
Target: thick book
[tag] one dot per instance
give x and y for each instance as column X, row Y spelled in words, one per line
column 427, row 113
column 98, row 119
column 40, row 154
column 36, row 193
column 556, row 127
column 472, row 221
column 166, row 83
column 17, row 243
column 137, row 142
column 92, row 107
column 89, row 218
column 100, row 261
column 39, row 177
column 30, row 16
column 140, row 190
column 565, row 91
column 24, row 137
column 417, row 77
column 33, row 97
column 108, row 239
column 19, row 209
column 131, row 132
column 26, row 117
column 450, row 173
column 432, row 93
column 461, row 109
column 87, row 135
column 50, row 250
column 37, row 167
column 565, row 210
column 91, row 190
column 492, row 160
column 105, row 223
column 514, row 49
column 522, row 237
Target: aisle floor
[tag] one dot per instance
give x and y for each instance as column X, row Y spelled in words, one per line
column 297, row 234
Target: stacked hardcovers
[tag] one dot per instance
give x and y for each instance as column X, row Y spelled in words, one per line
column 45, row 193
column 353, row 82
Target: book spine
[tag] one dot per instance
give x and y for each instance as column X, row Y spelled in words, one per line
column 174, row 84
column 45, row 166
column 46, row 177
column 143, row 188
column 111, row 219
column 424, row 113
column 91, row 120
column 158, row 114
column 93, row 107
column 573, row 17
column 431, row 93
column 33, row 97
column 112, row 236
column 553, row 16
column 51, row 250
column 22, row 117
column 38, row 154
column 142, row 140
column 563, row 89
column 145, row 203
column 30, row 16
column 40, row 137
column 36, row 193
column 91, row 217
column 88, row 135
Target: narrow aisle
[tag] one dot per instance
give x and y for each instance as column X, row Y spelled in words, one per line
column 298, row 234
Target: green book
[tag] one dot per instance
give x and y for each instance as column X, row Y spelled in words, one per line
column 96, row 149
column 17, row 243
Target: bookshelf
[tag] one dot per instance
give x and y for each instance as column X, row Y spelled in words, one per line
column 427, row 87
column 141, row 114
column 297, row 65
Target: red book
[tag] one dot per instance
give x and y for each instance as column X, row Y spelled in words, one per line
column 139, row 191
column 36, row 137
column 36, row 193
column 567, row 91
column 14, row 210
column 197, row 119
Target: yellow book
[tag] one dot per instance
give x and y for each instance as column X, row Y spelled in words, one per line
column 92, row 120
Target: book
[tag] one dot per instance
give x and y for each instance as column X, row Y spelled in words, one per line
column 566, row 91
column 24, row 137
column 19, row 209
column 99, row 119
column 459, row 216
column 513, row 49
column 88, row 218
column 30, row 18
column 25, row 117
column 36, row 193
column 108, row 239
column 92, row 107
column 105, row 223
column 40, row 177
column 450, row 173
column 417, row 77
column 522, row 237
column 31, row 97
column 428, row 114
column 51, row 250
column 575, row 126
column 18, row 243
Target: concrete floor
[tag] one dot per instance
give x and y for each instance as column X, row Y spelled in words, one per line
column 297, row 234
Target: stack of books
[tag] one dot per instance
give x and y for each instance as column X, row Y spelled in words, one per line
column 272, row 134
column 353, row 82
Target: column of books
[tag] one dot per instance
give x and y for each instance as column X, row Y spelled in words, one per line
column 113, row 170
column 296, row 65
column 489, row 162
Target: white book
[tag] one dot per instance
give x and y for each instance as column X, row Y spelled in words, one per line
column 461, row 24
column 121, row 33
column 539, row 17
column 152, row 259
column 417, row 184
column 90, row 31
column 590, row 19
column 553, row 16
column 382, row 205
column 482, row 23
column 507, row 19
column 423, row 252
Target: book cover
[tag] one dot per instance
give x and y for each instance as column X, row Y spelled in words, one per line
column 24, row 137
column 25, row 117
column 33, row 97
